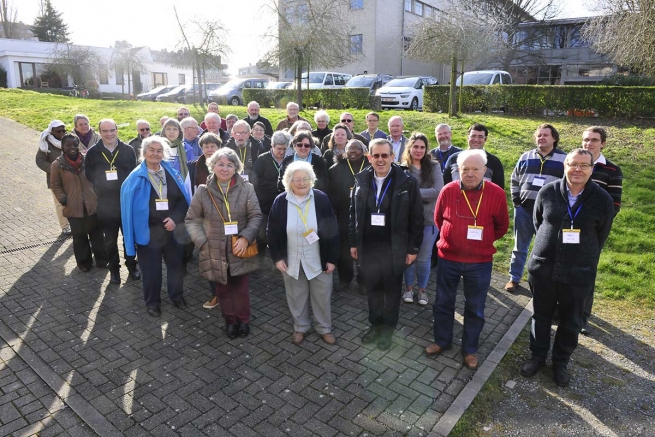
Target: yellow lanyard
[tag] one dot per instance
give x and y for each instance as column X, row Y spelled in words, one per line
column 477, row 209
column 243, row 156
column 543, row 161
column 351, row 167
column 304, row 217
column 227, row 204
column 111, row 164
column 159, row 192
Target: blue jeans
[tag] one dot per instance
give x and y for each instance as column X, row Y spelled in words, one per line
column 477, row 278
column 424, row 259
column 523, row 233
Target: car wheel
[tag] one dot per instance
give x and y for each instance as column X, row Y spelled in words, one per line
column 234, row 101
column 414, row 105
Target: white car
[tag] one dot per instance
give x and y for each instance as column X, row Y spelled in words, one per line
column 405, row 92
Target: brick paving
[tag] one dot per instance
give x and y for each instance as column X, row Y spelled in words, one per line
column 112, row 370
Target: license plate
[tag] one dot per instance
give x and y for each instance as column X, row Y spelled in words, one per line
column 388, row 99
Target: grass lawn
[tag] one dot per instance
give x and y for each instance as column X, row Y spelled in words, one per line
column 628, row 260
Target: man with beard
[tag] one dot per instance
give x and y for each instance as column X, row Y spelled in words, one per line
column 444, row 137
column 253, row 117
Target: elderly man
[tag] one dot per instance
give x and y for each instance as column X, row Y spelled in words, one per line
column 372, row 132
column 213, row 124
column 142, row 131
column 182, row 113
column 108, row 164
column 385, row 235
column 471, row 215
column 533, row 169
column 212, row 108
column 248, row 148
column 253, row 117
column 190, row 137
column 444, row 137
column 291, row 118
column 396, row 137
column 347, row 119
column 229, row 122
column 477, row 137
column 573, row 217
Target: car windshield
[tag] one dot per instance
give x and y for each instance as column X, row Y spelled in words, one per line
column 406, row 82
column 361, row 81
column 177, row 89
column 477, row 78
column 158, row 89
column 233, row 84
column 313, row 77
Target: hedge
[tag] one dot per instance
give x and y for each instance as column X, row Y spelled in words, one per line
column 606, row 101
column 339, row 98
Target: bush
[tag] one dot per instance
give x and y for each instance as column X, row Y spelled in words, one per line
column 339, row 98
column 621, row 80
column 607, row 101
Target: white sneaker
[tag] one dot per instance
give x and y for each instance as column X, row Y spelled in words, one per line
column 66, row 230
column 408, row 296
column 422, row 298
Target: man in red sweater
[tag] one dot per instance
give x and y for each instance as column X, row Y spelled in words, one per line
column 471, row 214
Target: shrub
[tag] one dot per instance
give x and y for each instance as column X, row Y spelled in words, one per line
column 339, row 98
column 621, row 80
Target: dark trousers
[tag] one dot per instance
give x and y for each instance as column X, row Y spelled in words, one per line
column 161, row 245
column 110, row 224
column 234, row 299
column 547, row 295
column 588, row 305
column 87, row 230
column 262, row 241
column 345, row 263
column 383, row 289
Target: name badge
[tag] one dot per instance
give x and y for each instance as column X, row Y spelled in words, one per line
column 231, row 228
column 112, row 175
column 538, row 181
column 377, row 219
column 474, row 233
column 310, row 236
column 245, row 177
column 161, row 204
column 571, row 236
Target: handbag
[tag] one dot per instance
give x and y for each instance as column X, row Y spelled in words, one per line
column 251, row 250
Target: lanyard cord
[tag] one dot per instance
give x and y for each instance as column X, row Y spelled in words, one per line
column 161, row 188
column 227, row 204
column 244, row 149
column 543, row 161
column 477, row 209
column 111, row 164
column 571, row 215
column 378, row 200
column 304, row 217
column 351, row 167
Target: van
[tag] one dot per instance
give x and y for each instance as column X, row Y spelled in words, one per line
column 232, row 91
column 486, row 77
column 323, row 79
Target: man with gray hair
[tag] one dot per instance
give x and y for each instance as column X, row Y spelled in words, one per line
column 190, row 137
column 253, row 117
column 213, row 124
column 444, row 136
column 229, row 122
column 142, row 132
column 247, row 147
column 291, row 118
column 396, row 137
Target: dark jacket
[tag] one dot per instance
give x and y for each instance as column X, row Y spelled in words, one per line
column 495, row 172
column 194, row 166
column 44, row 160
column 325, row 142
column 72, row 189
column 96, row 166
column 321, row 133
column 405, row 221
column 268, row 129
column 328, row 232
column 135, row 143
column 569, row 263
column 224, row 136
column 250, row 158
column 320, row 169
column 342, row 182
column 264, row 177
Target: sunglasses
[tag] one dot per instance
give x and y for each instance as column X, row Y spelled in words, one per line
column 380, row 155
column 145, row 129
column 347, row 120
column 303, row 145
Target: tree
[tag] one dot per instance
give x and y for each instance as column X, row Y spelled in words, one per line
column 8, row 15
column 126, row 60
column 49, row 26
column 80, row 63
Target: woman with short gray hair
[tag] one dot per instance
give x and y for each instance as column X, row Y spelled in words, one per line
column 322, row 120
column 84, row 132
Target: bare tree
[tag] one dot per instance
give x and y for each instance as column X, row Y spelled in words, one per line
column 8, row 15
column 79, row 62
column 126, row 60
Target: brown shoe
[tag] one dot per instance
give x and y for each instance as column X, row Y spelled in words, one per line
column 211, row 304
column 297, row 337
column 512, row 286
column 328, row 337
column 471, row 361
column 435, row 349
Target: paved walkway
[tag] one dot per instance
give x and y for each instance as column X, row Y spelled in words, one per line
column 81, row 357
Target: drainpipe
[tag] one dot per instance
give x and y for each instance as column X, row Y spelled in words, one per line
column 402, row 39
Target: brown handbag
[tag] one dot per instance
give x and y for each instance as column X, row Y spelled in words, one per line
column 251, row 250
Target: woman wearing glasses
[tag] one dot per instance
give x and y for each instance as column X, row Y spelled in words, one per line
column 417, row 161
column 303, row 143
column 303, row 237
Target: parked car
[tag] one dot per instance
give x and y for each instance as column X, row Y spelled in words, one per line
column 485, row 77
column 370, row 81
column 278, row 85
column 232, row 92
column 405, row 92
column 172, row 95
column 323, row 79
column 152, row 94
column 188, row 93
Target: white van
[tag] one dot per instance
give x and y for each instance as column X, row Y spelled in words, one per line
column 323, row 79
column 486, row 77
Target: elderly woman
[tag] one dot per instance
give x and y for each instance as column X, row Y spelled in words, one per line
column 259, row 132
column 223, row 220
column 75, row 193
column 198, row 171
column 154, row 202
column 179, row 152
column 303, row 144
column 303, row 237
column 49, row 151
column 337, row 144
column 83, row 130
column 322, row 119
column 417, row 161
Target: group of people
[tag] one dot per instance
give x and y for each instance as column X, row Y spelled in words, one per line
column 368, row 205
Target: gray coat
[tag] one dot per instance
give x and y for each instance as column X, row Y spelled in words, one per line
column 429, row 191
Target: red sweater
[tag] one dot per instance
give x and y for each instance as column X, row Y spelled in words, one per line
column 453, row 216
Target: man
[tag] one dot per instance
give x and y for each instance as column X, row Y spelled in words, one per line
column 182, row 113
column 212, row 108
column 396, row 137
column 477, row 137
column 444, row 137
column 248, row 148
column 573, row 217
column 372, row 132
column 190, row 137
column 533, row 170
column 213, row 125
column 385, row 235
column 471, row 215
column 162, row 121
column 108, row 164
column 143, row 131
column 609, row 177
column 229, row 122
column 253, row 117
column 291, row 118
column 347, row 119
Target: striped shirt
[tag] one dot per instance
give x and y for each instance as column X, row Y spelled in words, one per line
column 609, row 177
column 530, row 168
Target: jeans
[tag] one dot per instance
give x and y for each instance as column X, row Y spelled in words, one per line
column 523, row 233
column 477, row 278
column 424, row 259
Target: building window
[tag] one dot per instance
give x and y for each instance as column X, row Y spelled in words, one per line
column 418, row 8
column 356, row 4
column 356, row 42
column 408, row 5
column 103, row 75
column 120, row 80
column 159, row 79
column 407, row 42
column 181, row 79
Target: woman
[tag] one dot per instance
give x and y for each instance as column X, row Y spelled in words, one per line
column 303, row 237
column 154, row 202
column 49, row 151
column 303, row 144
column 418, row 163
column 258, row 131
column 322, row 119
column 83, row 130
column 198, row 172
column 337, row 144
column 224, row 208
column 75, row 193
column 300, row 125
column 178, row 150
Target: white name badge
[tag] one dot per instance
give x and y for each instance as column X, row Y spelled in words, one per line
column 474, row 233
column 245, row 177
column 571, row 236
column 231, row 228
column 161, row 204
column 112, row 175
column 377, row 219
column 310, row 236
column 538, row 181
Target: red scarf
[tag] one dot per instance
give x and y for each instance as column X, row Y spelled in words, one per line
column 75, row 164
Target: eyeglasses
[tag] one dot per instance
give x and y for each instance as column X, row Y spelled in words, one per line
column 380, row 155
column 183, row 114
column 591, row 140
column 303, row 145
column 347, row 120
column 580, row 166
column 240, row 133
column 299, row 180
column 144, row 129
column 107, row 131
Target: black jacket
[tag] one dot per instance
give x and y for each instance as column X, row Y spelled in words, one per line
column 495, row 172
column 341, row 182
column 97, row 166
column 255, row 150
column 268, row 129
column 320, row 169
column 224, row 136
column 264, row 177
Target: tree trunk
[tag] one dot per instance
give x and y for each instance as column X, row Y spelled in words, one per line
column 461, row 90
column 452, row 110
column 299, row 79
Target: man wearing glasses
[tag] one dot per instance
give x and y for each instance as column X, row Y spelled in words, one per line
column 573, row 217
column 247, row 147
column 291, row 118
column 347, row 119
column 385, row 235
column 142, row 131
column 182, row 113
column 372, row 132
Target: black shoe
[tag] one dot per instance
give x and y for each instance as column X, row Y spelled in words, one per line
column 256, row 274
column 371, row 335
column 586, row 332
column 84, row 268
column 231, row 331
column 244, row 329
column 115, row 278
column 154, row 311
column 561, row 376
column 343, row 287
column 181, row 304
column 532, row 366
column 102, row 265
column 135, row 274
column 385, row 342
column 362, row 290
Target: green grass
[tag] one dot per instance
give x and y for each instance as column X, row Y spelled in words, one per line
column 627, row 265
